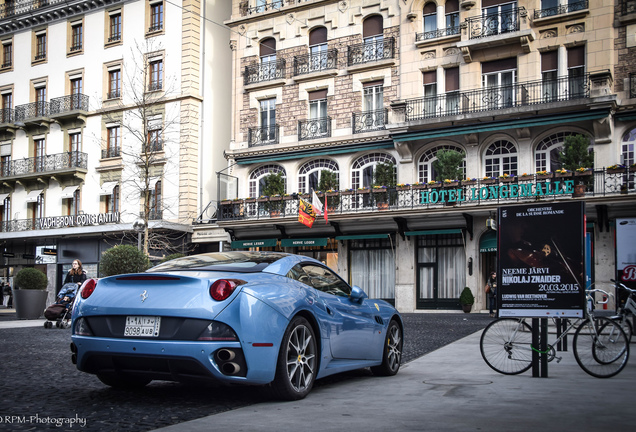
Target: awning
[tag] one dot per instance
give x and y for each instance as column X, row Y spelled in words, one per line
column 433, row 232
column 107, row 188
column 2, row 198
column 362, row 236
column 68, row 192
column 241, row 244
column 303, row 242
column 33, row 195
column 488, row 242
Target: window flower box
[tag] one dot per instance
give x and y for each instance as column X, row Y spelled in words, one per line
column 583, row 172
column 488, row 180
column 616, row 169
column 525, row 177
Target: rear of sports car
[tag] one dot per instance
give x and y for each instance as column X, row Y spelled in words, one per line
column 176, row 326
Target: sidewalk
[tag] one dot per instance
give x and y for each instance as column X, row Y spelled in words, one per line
column 7, row 322
column 451, row 389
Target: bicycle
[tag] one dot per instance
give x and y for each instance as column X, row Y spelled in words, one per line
column 624, row 312
column 600, row 345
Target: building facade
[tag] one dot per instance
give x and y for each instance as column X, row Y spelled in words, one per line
column 102, row 126
column 348, row 86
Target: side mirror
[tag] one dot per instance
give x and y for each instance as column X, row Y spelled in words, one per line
column 357, row 294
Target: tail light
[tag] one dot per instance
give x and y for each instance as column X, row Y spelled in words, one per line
column 223, row 288
column 88, row 288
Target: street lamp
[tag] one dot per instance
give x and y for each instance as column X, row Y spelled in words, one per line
column 139, row 225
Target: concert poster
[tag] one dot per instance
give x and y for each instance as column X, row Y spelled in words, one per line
column 625, row 251
column 540, row 260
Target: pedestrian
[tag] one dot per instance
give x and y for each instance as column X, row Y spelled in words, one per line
column 76, row 274
column 7, row 294
column 491, row 290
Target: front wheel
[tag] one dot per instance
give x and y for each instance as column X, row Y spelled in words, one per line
column 600, row 347
column 392, row 351
column 296, row 367
column 506, row 346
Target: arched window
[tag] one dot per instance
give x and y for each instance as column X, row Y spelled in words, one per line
column 257, row 178
column 309, row 174
column 628, row 149
column 5, row 214
column 268, row 50
column 452, row 16
column 362, row 169
column 318, row 49
column 425, row 170
column 546, row 155
column 501, row 158
column 430, row 17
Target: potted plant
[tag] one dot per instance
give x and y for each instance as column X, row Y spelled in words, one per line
column 384, row 182
column 274, row 185
column 329, row 182
column 576, row 154
column 466, row 299
column 29, row 293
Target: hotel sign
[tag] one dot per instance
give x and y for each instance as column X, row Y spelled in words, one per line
column 77, row 220
column 497, row 192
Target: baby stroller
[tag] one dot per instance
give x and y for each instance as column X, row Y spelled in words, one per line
column 60, row 311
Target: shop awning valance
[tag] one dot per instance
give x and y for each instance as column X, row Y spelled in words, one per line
column 488, row 242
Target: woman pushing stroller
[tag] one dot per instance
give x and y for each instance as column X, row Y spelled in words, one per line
column 60, row 311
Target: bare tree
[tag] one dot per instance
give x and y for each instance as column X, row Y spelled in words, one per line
column 157, row 126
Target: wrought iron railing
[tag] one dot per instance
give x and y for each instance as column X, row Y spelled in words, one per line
column 115, row 38
column 317, row 62
column 22, row 7
column 7, row 115
column 496, row 98
column 628, row 7
column 51, row 222
column 263, row 135
column 40, row 56
column 271, row 5
column 521, row 189
column 153, row 214
column 561, row 9
column 48, row 163
column 155, row 27
column 111, row 153
column 632, row 85
column 368, row 121
column 434, row 34
column 370, row 52
column 266, row 71
column 69, row 103
column 6, row 64
column 32, row 110
column 155, row 85
column 494, row 24
column 77, row 47
column 155, row 146
column 114, row 94
column 314, row 128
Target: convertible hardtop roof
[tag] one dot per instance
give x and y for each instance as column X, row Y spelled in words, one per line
column 239, row 262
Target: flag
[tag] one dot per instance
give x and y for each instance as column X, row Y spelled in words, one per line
column 325, row 212
column 316, row 204
column 306, row 214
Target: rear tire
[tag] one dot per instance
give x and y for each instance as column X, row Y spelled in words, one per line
column 297, row 363
column 391, row 352
column 118, row 381
column 600, row 347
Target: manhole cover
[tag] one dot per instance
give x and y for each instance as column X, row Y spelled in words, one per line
column 456, row 382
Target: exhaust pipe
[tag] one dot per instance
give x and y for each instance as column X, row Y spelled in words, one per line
column 225, row 355
column 231, row 368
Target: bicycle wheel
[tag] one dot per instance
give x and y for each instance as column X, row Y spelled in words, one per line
column 625, row 322
column 600, row 347
column 506, row 346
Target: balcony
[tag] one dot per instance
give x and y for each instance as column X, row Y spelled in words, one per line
column 36, row 170
column 628, row 7
column 561, row 9
column 314, row 128
column 265, row 135
column 31, row 111
column 111, row 153
column 436, row 34
column 318, row 62
column 499, row 98
column 264, row 72
column 368, row 121
column 155, row 86
column 494, row 24
column 55, row 222
column 7, row 115
column 632, row 85
column 371, row 52
column 24, row 7
column 66, row 104
column 551, row 187
column 272, row 5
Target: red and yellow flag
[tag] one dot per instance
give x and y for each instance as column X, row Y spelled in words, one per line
column 306, row 213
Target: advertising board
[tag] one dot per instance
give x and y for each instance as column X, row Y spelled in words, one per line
column 540, row 263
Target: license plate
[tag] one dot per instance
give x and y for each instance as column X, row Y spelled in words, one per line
column 144, row 326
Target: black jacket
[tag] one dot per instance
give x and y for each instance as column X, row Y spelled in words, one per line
column 75, row 278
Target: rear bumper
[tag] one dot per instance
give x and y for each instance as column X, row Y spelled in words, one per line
column 165, row 360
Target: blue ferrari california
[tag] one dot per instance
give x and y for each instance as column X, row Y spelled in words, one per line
column 262, row 318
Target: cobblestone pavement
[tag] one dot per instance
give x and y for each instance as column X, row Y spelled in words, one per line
column 39, row 385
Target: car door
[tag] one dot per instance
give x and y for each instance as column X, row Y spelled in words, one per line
column 352, row 325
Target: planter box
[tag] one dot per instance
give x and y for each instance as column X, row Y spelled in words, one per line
column 616, row 170
column 544, row 176
column 507, row 180
column 525, row 178
column 29, row 304
column 469, row 182
column 561, row 175
column 583, row 173
column 488, row 181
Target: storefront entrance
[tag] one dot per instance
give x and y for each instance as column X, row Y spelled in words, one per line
column 441, row 271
